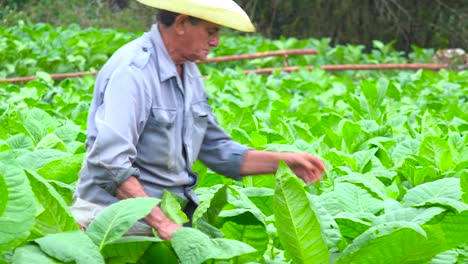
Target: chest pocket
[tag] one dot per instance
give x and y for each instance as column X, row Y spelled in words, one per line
column 160, row 116
column 200, row 114
column 160, row 135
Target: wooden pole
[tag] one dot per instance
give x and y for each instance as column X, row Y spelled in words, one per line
column 343, row 67
column 284, row 53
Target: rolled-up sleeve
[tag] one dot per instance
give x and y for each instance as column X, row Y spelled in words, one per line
column 119, row 121
column 220, row 153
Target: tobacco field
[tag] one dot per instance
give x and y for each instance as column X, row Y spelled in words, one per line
column 395, row 144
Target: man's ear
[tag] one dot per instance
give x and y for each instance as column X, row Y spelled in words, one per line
column 179, row 24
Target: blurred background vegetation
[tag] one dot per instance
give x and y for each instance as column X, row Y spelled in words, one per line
column 434, row 24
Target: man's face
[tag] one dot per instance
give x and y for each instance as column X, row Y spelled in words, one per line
column 199, row 39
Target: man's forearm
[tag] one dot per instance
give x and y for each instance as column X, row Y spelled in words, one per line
column 304, row 165
column 260, row 162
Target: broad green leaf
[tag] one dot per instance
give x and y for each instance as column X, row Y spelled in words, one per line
column 414, row 215
column 351, row 198
column 350, row 132
column 67, row 133
column 363, row 157
column 424, row 174
column 20, row 141
column 241, row 205
column 64, row 169
column 448, row 203
column 444, row 188
column 71, row 246
column 351, row 227
column 12, row 127
column 210, row 208
column 393, row 242
column 464, row 185
column 194, row 247
column 162, row 252
column 330, row 231
column 172, row 209
column 51, row 141
column 44, row 76
column 330, row 203
column 65, row 190
column 432, row 148
column 32, row 254
column 447, row 257
column 17, row 220
column 262, row 198
column 253, row 235
column 259, row 181
column 450, row 232
column 446, row 162
column 296, row 222
column 128, row 249
column 3, row 194
column 404, row 149
column 56, row 216
column 40, row 157
column 115, row 220
column 368, row 182
column 42, row 117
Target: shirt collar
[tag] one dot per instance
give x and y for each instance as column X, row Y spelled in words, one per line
column 166, row 66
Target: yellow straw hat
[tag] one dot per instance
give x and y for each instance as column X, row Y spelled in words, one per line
column 222, row 12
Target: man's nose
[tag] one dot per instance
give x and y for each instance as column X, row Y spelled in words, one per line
column 214, row 40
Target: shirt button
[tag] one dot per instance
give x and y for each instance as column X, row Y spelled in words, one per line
column 145, row 49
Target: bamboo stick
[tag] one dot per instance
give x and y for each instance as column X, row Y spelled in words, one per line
column 284, row 53
column 342, row 67
column 337, row 67
column 53, row 76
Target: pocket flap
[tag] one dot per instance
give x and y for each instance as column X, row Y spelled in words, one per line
column 164, row 115
column 200, row 109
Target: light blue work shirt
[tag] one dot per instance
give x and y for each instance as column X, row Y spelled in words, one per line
column 147, row 122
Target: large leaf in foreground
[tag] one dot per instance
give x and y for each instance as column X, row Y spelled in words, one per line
column 352, row 198
column 414, row 215
column 194, row 247
column 115, row 220
column 162, row 251
column 207, row 213
column 56, row 216
column 71, row 246
column 464, row 185
column 393, row 242
column 330, row 229
column 18, row 218
column 32, row 254
column 128, row 249
column 253, row 235
column 445, row 188
column 450, row 232
column 3, row 194
column 172, row 208
column 298, row 227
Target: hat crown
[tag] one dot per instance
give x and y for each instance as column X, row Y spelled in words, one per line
column 222, row 12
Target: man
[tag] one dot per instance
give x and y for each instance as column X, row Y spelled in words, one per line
column 150, row 119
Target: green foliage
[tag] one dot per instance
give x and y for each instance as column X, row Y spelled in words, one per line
column 297, row 224
column 395, row 146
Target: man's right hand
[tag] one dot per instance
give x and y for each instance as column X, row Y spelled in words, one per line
column 156, row 219
column 163, row 225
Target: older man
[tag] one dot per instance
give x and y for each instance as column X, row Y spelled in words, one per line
column 150, row 119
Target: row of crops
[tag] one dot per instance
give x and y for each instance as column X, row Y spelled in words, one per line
column 394, row 143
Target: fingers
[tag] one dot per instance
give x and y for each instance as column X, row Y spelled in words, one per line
column 308, row 167
column 317, row 163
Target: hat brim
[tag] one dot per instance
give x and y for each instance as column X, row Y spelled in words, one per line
column 222, row 12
